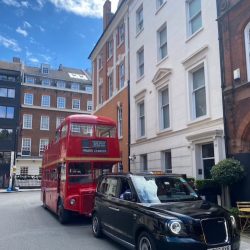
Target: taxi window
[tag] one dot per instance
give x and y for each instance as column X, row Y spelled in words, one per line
column 108, row 187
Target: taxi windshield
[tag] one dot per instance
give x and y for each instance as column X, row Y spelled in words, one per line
column 160, row 189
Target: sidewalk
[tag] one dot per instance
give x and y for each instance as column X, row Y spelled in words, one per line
column 20, row 190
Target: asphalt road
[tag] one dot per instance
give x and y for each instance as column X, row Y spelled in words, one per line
column 25, row 225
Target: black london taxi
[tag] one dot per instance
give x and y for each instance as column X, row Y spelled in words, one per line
column 149, row 212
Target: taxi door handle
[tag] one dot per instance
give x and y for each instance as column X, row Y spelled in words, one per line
column 114, row 209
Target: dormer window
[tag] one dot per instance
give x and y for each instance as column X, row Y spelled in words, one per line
column 46, row 82
column 75, row 86
column 45, row 69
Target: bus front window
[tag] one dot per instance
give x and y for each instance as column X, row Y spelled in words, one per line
column 105, row 131
column 80, row 173
column 77, row 129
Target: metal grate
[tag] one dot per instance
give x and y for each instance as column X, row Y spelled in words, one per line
column 215, row 230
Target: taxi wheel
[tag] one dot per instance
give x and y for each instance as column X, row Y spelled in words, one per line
column 63, row 215
column 96, row 226
column 145, row 242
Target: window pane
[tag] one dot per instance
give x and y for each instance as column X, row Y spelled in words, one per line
column 105, row 131
column 2, row 111
column 3, row 92
column 142, row 109
column 163, row 36
column 6, row 134
column 10, row 112
column 200, row 102
column 164, row 95
column 194, row 7
column 165, row 116
column 198, row 79
column 208, row 150
column 196, row 24
column 11, row 93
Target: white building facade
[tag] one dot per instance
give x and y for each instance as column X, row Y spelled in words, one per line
column 175, row 87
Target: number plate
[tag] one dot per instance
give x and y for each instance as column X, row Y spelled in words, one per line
column 221, row 248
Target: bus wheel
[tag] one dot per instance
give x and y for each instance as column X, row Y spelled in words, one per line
column 63, row 214
column 44, row 200
column 96, row 226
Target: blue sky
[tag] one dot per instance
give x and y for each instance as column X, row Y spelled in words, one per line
column 50, row 31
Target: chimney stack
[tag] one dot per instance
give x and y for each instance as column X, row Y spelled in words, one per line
column 107, row 14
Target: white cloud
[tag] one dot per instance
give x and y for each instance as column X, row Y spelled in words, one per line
column 33, row 59
column 41, row 28
column 25, row 4
column 26, row 25
column 11, row 3
column 10, row 44
column 21, row 31
column 46, row 58
column 91, row 8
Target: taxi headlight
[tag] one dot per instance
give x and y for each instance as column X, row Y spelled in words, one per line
column 176, row 227
column 233, row 221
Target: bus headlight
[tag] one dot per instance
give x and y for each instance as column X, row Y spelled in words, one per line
column 72, row 201
column 176, row 227
column 233, row 221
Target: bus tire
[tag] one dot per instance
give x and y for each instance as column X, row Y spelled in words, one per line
column 96, row 226
column 63, row 214
column 44, row 201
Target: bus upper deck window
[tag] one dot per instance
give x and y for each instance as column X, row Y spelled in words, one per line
column 105, row 131
column 81, row 129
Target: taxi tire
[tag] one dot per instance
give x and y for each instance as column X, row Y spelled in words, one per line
column 144, row 239
column 96, row 226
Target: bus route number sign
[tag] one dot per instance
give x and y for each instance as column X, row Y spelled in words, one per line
column 94, row 146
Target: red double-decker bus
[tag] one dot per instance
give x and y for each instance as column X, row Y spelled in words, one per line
column 85, row 147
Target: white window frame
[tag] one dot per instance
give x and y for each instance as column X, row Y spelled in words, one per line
column 100, row 94
column 192, row 106
column 46, row 82
column 164, row 162
column 59, row 120
column 140, row 64
column 75, row 86
column 29, row 79
column 247, row 49
column 139, row 19
column 100, row 61
column 111, row 85
column 60, row 84
column 165, row 43
column 61, row 100
column 44, row 122
column 43, row 143
column 121, row 34
column 76, row 101
column 27, row 123
column 43, row 101
column 119, row 121
column 26, row 98
column 121, row 75
column 139, row 120
column 161, row 108
column 25, row 146
column 89, row 105
column 190, row 19
column 110, row 48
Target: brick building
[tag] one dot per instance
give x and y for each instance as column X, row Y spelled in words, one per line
column 47, row 97
column 110, row 65
column 10, row 82
column 234, row 30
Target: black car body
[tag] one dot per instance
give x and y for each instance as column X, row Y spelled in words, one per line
column 133, row 210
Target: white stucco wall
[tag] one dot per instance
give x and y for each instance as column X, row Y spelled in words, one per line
column 184, row 53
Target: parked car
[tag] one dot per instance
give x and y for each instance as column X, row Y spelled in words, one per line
column 149, row 212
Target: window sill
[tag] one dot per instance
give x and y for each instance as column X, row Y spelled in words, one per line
column 160, row 7
column 100, row 69
column 162, row 60
column 164, row 131
column 140, row 78
column 193, row 35
column 27, row 128
column 139, row 32
column 200, row 119
column 43, row 129
column 120, row 137
column 143, row 138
